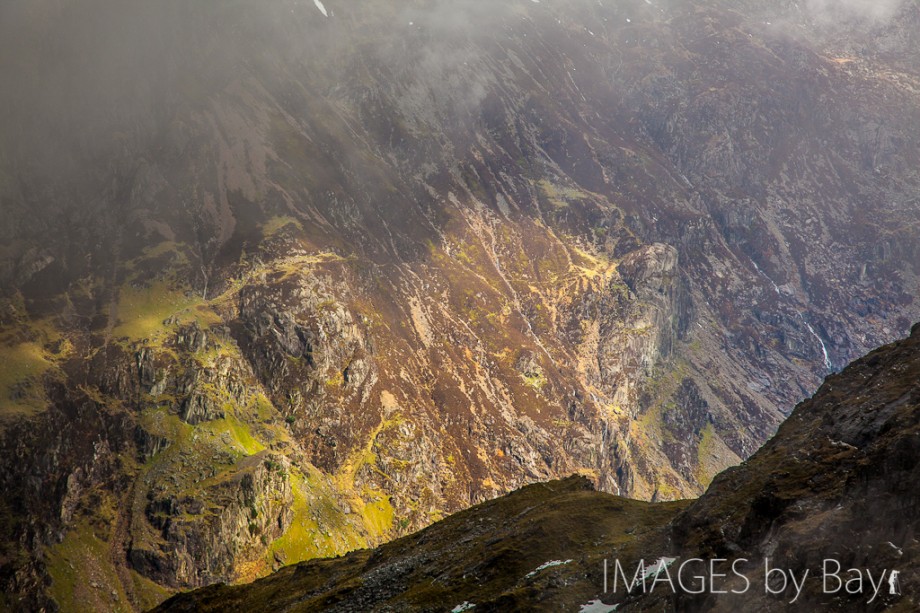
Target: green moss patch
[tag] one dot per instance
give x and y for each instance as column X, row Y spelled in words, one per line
column 142, row 310
column 21, row 370
column 83, row 575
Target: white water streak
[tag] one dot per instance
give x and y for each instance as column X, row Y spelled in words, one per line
column 827, row 358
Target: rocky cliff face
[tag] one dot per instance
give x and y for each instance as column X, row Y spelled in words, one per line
column 270, row 294
column 835, row 483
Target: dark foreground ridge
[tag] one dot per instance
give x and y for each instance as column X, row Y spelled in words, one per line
column 837, row 482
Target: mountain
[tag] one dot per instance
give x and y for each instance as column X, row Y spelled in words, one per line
column 281, row 280
column 835, row 484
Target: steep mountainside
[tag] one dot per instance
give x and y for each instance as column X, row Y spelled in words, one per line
column 837, row 483
column 283, row 279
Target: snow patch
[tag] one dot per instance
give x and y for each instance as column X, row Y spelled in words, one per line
column 596, row 606
column 843, row 445
column 896, row 548
column 321, row 7
column 465, row 606
column 652, row 571
column 549, row 564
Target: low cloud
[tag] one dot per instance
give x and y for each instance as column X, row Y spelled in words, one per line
column 835, row 11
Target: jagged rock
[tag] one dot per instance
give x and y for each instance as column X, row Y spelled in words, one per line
column 202, row 542
column 149, row 445
column 835, row 484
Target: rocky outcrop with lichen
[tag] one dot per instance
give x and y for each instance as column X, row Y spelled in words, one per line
column 198, row 540
column 831, row 492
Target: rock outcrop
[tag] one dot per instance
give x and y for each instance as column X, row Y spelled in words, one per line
column 834, row 487
column 198, row 540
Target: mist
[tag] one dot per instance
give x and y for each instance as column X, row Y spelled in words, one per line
column 84, row 80
column 873, row 11
column 78, row 75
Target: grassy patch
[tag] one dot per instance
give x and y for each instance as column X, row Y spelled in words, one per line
column 21, row 368
column 536, row 381
column 169, row 252
column 160, row 422
column 148, row 593
column 378, row 514
column 559, row 195
column 142, row 310
column 705, row 450
column 240, row 433
column 318, row 529
column 592, row 266
column 276, row 224
column 83, row 577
